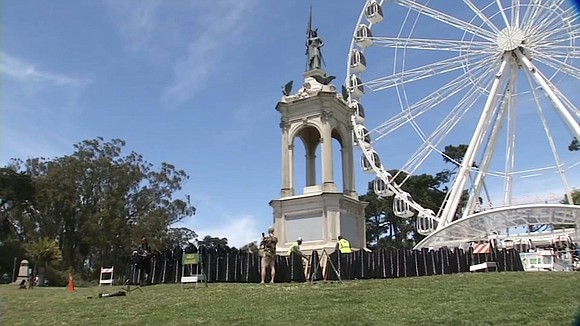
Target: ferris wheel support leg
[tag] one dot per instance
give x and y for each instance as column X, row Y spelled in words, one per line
column 476, row 141
column 547, row 88
column 484, row 165
column 493, row 139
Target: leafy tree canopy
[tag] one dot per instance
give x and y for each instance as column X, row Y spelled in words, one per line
column 97, row 203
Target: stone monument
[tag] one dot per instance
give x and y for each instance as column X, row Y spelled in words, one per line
column 316, row 115
column 23, row 272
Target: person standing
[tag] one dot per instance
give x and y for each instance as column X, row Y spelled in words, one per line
column 343, row 245
column 268, row 246
column 145, row 254
column 295, row 247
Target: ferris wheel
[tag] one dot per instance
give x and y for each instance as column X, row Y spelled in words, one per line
column 501, row 78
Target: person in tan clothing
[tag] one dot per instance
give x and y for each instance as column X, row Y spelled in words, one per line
column 268, row 246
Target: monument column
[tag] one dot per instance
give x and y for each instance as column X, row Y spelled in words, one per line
column 327, row 168
column 310, row 166
column 287, row 158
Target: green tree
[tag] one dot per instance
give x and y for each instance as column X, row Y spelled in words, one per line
column 454, row 154
column 575, row 197
column 43, row 252
column 100, row 201
column 210, row 241
column 385, row 229
column 179, row 236
column 377, row 224
column 251, row 247
column 16, row 195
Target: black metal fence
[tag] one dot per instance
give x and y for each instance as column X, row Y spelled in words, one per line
column 221, row 266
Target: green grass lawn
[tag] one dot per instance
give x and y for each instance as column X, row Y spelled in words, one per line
column 542, row 298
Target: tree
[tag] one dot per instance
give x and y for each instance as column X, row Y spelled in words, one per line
column 251, row 247
column 43, row 252
column 454, row 154
column 575, row 197
column 213, row 242
column 98, row 202
column 179, row 236
column 16, row 193
column 386, row 230
column 377, row 224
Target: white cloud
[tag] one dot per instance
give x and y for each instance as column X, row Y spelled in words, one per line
column 137, row 22
column 239, row 230
column 224, row 24
column 23, row 144
column 189, row 37
column 27, row 72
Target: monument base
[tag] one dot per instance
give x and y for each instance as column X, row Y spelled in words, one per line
column 318, row 219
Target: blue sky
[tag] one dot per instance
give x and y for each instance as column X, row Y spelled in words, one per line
column 192, row 83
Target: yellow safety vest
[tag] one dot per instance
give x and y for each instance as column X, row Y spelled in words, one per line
column 294, row 248
column 344, row 246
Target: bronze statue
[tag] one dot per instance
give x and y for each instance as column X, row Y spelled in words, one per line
column 314, row 45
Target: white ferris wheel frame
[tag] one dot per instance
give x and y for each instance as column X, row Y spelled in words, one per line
column 510, row 58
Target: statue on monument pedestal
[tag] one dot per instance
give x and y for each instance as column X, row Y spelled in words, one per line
column 313, row 46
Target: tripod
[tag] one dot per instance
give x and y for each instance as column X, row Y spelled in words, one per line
column 128, row 282
column 324, row 256
column 127, row 286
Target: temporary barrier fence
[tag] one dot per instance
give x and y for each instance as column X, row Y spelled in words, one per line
column 221, row 266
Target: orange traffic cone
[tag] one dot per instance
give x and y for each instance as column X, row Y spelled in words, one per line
column 71, row 283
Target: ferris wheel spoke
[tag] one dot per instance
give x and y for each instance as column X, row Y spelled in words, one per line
column 426, row 71
column 558, row 51
column 439, row 135
column 550, row 138
column 515, row 17
column 502, row 11
column 557, row 64
column 553, row 25
column 559, row 97
column 481, row 15
column 537, row 13
column 551, row 94
column 554, row 37
column 482, row 70
column 453, row 119
column 529, row 12
column 475, row 47
column 448, row 19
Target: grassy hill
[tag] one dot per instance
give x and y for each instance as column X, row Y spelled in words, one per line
column 517, row 298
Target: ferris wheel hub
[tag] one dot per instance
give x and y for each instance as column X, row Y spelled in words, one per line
column 510, row 38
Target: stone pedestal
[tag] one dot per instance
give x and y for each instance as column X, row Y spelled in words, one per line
column 319, row 219
column 23, row 272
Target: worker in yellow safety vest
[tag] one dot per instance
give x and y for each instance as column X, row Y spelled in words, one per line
column 343, row 245
column 295, row 247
